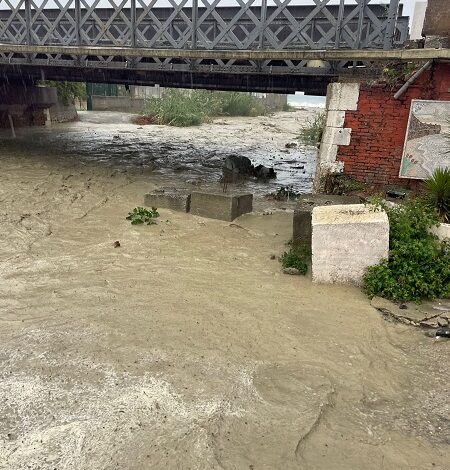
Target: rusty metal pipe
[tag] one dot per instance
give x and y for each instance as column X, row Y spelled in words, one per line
column 412, row 79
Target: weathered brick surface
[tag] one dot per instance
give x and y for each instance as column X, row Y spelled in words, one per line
column 379, row 126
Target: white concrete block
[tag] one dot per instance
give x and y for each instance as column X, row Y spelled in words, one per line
column 335, row 118
column 342, row 96
column 337, row 136
column 346, row 240
column 442, row 231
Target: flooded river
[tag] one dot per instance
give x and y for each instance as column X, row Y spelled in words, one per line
column 177, row 156
column 186, row 347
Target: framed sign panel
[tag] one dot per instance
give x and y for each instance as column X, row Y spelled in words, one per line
column 427, row 141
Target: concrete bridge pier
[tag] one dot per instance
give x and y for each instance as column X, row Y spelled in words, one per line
column 23, row 104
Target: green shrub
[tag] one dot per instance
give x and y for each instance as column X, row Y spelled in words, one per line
column 437, row 189
column 193, row 107
column 139, row 215
column 297, row 258
column 311, row 133
column 240, row 104
column 419, row 265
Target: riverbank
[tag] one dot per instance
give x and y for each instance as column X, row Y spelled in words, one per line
column 186, row 347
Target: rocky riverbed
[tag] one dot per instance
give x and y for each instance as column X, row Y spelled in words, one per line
column 186, row 347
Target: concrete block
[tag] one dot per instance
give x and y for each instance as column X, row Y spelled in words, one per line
column 346, row 240
column 337, row 136
column 335, row 118
column 221, row 206
column 168, row 199
column 342, row 96
column 442, row 231
column 301, row 224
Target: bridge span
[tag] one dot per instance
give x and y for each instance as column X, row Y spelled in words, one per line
column 260, row 45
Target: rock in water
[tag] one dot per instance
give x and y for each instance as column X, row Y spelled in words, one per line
column 236, row 167
column 262, row 171
column 443, row 332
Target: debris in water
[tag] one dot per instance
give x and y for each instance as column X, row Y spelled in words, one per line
column 443, row 333
column 116, row 244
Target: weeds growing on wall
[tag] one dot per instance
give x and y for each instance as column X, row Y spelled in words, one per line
column 296, row 257
column 191, row 108
column 311, row 133
column 418, row 266
column 437, row 192
column 339, row 184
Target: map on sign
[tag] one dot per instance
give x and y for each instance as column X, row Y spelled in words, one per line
column 427, row 142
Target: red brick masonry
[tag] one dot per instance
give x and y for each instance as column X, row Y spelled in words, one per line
column 379, row 126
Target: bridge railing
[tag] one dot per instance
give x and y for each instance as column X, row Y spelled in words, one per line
column 204, row 24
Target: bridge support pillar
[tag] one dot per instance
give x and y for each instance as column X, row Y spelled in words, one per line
column 341, row 97
column 369, row 122
column 23, row 105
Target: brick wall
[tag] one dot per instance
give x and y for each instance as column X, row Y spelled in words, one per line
column 379, row 126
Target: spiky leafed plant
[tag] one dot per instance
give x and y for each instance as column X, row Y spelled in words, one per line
column 437, row 188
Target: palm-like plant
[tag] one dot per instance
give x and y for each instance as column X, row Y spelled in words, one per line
column 437, row 188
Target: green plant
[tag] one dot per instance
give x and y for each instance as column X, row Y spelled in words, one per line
column 139, row 215
column 437, row 189
column 192, row 107
column 418, row 266
column 297, row 258
column 312, row 131
column 240, row 104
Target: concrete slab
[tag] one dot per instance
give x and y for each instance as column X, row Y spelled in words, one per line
column 301, row 225
column 337, row 136
column 335, row 119
column 220, row 205
column 342, row 96
column 168, row 199
column 346, row 240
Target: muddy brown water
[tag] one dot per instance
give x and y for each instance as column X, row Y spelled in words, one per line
column 186, row 348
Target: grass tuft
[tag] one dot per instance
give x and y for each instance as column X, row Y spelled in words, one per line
column 184, row 108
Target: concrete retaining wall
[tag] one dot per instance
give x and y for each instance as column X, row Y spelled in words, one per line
column 117, row 103
column 63, row 112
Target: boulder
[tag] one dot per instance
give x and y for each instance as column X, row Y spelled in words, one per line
column 264, row 172
column 236, row 167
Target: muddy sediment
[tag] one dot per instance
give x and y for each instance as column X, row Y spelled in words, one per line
column 186, row 347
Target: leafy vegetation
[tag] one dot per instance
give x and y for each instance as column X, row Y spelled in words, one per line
column 191, row 108
column 67, row 91
column 437, row 189
column 139, row 215
column 296, row 257
column 419, row 265
column 311, row 133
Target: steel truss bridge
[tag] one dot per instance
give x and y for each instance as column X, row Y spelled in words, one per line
column 269, row 45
